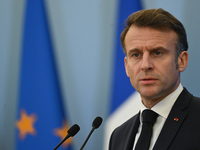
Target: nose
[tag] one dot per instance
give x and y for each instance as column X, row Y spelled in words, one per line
column 146, row 63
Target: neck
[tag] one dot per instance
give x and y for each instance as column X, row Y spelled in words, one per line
column 150, row 103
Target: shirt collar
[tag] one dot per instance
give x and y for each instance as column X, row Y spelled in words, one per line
column 164, row 106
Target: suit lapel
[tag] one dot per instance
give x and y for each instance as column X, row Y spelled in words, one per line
column 170, row 129
column 173, row 122
column 131, row 136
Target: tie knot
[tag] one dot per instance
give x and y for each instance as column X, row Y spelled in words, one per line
column 149, row 116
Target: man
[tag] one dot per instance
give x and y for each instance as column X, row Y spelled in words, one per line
column 155, row 45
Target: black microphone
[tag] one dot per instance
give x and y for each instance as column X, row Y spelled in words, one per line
column 96, row 123
column 71, row 132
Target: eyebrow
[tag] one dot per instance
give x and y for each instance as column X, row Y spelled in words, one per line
column 158, row 48
column 153, row 49
column 133, row 50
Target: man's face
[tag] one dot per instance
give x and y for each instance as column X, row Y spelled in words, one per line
column 150, row 62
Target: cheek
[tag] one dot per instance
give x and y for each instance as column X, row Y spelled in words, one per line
column 133, row 75
column 127, row 70
column 170, row 73
column 131, row 70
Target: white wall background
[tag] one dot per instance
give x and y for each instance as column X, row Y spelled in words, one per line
column 82, row 33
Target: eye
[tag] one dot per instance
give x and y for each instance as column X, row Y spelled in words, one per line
column 136, row 55
column 157, row 53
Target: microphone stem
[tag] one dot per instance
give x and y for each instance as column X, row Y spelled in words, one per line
column 87, row 138
column 61, row 142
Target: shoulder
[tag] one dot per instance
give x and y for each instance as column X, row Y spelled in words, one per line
column 189, row 103
column 187, row 100
column 126, row 126
column 194, row 105
column 193, row 100
column 124, row 133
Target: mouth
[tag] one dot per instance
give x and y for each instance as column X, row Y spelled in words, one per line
column 148, row 80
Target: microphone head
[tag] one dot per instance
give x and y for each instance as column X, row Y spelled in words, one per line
column 97, row 122
column 73, row 130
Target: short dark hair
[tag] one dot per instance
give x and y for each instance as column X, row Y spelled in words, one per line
column 157, row 19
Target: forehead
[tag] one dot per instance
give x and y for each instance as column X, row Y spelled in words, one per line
column 149, row 37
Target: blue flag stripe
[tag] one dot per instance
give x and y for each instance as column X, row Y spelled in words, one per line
column 122, row 88
column 39, row 94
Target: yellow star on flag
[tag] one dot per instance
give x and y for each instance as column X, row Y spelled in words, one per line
column 25, row 124
column 62, row 132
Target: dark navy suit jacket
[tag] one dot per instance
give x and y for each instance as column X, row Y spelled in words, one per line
column 182, row 133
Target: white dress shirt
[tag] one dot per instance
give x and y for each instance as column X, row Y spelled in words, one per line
column 162, row 108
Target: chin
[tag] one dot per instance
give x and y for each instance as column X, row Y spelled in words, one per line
column 148, row 94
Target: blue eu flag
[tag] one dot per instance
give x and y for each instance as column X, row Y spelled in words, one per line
column 40, row 123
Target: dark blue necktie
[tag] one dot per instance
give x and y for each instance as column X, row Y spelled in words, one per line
column 148, row 119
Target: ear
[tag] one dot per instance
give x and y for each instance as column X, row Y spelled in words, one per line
column 126, row 66
column 182, row 61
